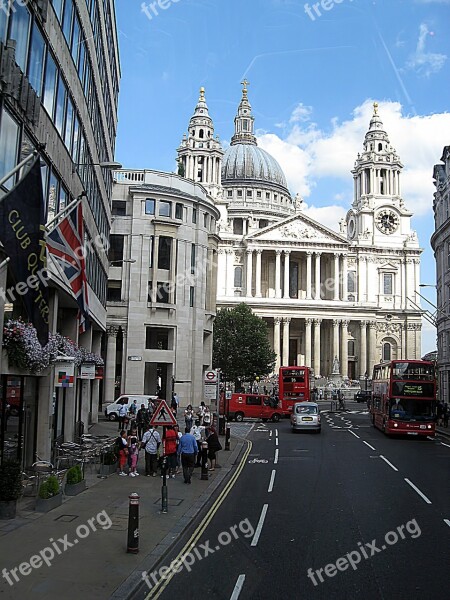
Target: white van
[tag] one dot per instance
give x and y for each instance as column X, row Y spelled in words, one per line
column 112, row 410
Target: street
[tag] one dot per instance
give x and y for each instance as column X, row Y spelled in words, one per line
column 347, row 513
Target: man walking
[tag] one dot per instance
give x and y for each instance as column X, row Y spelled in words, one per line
column 123, row 411
column 143, row 420
column 151, row 442
column 188, row 450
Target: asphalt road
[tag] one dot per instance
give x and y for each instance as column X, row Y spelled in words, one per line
column 365, row 515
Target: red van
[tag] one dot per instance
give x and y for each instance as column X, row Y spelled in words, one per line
column 255, row 406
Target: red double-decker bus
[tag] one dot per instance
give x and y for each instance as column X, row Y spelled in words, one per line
column 404, row 397
column 294, row 385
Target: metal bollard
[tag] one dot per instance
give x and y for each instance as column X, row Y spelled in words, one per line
column 204, row 475
column 164, row 495
column 133, row 524
column 227, row 436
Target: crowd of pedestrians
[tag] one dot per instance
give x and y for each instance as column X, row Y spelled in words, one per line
column 442, row 411
column 180, row 451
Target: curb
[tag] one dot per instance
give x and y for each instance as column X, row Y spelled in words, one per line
column 443, row 432
column 130, row 587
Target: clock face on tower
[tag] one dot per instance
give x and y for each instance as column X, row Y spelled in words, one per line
column 387, row 221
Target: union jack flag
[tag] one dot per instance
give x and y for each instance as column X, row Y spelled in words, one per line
column 66, row 245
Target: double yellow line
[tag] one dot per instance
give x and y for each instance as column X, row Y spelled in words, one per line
column 163, row 583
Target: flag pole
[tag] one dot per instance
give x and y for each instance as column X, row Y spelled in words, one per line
column 64, row 210
column 18, row 167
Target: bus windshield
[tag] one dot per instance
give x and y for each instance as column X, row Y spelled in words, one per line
column 412, row 371
column 411, row 410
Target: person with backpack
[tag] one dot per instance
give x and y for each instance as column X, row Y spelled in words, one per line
column 122, row 451
column 151, row 441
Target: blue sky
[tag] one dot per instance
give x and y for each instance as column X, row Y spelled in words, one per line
column 312, row 85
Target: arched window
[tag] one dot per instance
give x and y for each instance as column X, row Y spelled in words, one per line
column 387, row 351
column 238, row 277
column 380, row 147
column 201, row 133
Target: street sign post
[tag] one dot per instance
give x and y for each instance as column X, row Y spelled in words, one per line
column 163, row 415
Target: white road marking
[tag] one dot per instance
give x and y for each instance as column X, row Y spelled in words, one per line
column 367, row 444
column 427, row 500
column 442, row 444
column 238, row 587
column 353, row 433
column 272, row 479
column 447, row 521
column 276, row 432
column 276, row 457
column 260, row 525
column 388, row 463
column 270, row 434
column 276, row 441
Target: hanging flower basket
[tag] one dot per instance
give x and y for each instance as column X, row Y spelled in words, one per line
column 25, row 352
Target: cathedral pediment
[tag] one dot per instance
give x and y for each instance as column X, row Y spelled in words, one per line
column 298, row 228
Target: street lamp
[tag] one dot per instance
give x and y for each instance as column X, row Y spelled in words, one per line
column 433, row 285
column 111, row 165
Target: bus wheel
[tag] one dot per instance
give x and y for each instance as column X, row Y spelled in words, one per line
column 275, row 418
column 239, row 417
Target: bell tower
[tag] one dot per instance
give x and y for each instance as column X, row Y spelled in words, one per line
column 200, row 154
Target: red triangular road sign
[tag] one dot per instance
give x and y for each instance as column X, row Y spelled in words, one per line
column 163, row 415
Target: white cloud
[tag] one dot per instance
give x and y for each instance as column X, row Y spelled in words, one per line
column 310, row 156
column 425, row 63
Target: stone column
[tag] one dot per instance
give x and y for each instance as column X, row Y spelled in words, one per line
column 287, row 254
column 221, row 271
column 363, row 348
column 344, row 277
column 276, row 342
column 230, row 272
column 344, row 349
column 249, row 273
column 308, row 275
column 110, row 369
column 317, row 294
column 336, row 339
column 258, row 273
column 155, row 268
column 308, row 348
column 123, row 366
column 95, row 396
column 317, row 323
column 277, row 273
column 336, row 276
column 286, row 322
column 362, row 292
column 372, row 346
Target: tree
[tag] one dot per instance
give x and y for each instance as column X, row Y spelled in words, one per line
column 241, row 346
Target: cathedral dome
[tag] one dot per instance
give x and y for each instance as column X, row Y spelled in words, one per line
column 247, row 162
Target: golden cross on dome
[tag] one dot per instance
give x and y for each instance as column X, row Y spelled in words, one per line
column 245, row 83
column 375, row 108
column 202, row 93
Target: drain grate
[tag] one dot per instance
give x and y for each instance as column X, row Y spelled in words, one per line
column 66, row 518
column 170, row 501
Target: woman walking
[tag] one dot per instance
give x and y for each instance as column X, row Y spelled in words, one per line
column 133, row 453
column 189, row 416
column 122, row 446
column 214, row 446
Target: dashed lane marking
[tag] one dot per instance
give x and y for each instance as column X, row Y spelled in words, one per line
column 272, row 480
column 447, row 521
column 260, row 525
column 353, row 433
column 367, row 444
column 276, row 457
column 421, row 494
column 238, row 587
column 388, row 463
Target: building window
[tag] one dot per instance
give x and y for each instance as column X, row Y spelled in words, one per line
column 263, row 223
column 165, row 208
column 36, row 62
column 115, row 253
column 249, row 193
column 230, row 193
column 191, row 296
column 351, row 347
column 238, row 277
column 239, row 193
column 178, row 211
column 193, row 258
column 448, row 255
column 51, row 78
column 158, row 338
column 205, row 220
column 149, row 206
column 19, row 31
column 238, row 227
column 387, row 351
column 9, row 141
column 388, row 284
column 164, row 252
column 351, row 282
column 267, row 195
column 194, row 215
column 258, row 194
column 162, row 292
column 119, row 208
column 114, row 291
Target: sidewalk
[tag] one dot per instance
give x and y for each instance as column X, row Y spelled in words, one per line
column 95, row 564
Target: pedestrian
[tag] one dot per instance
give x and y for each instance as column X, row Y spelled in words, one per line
column 439, row 412
column 133, row 452
column 320, row 394
column 170, row 450
column 189, row 416
column 201, row 412
column 197, row 431
column 142, row 420
column 123, row 411
column 179, row 434
column 188, row 451
column 133, row 408
column 214, row 446
column 445, row 412
column 122, row 448
column 151, row 442
column 207, row 417
column 174, row 403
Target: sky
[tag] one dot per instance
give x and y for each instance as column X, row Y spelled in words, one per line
column 314, row 74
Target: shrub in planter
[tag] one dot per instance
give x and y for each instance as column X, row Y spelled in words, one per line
column 10, row 488
column 49, row 495
column 75, row 482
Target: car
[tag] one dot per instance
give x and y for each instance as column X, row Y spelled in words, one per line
column 306, row 417
column 362, row 396
column 112, row 410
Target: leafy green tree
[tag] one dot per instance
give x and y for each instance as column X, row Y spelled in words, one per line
column 241, row 346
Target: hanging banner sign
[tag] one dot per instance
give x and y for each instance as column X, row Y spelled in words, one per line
column 64, row 372
column 87, row 371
